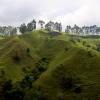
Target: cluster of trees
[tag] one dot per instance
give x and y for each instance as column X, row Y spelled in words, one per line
column 53, row 26
column 18, row 90
column 8, row 31
column 84, row 30
column 29, row 27
column 32, row 25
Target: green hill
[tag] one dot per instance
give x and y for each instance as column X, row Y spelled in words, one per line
column 50, row 66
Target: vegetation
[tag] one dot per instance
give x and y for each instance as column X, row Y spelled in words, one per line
column 34, row 66
column 84, row 30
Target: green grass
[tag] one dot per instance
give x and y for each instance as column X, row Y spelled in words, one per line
column 68, row 56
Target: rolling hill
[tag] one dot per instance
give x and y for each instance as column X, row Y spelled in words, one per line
column 59, row 66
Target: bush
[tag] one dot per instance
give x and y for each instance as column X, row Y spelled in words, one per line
column 8, row 85
column 67, row 82
column 98, row 48
column 28, row 50
column 84, row 42
column 88, row 45
column 66, row 48
column 24, row 69
column 79, row 40
column 77, row 88
column 89, row 53
column 17, row 57
column 16, row 93
column 72, row 40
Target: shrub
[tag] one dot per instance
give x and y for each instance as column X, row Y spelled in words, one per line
column 24, row 69
column 41, row 68
column 98, row 48
column 84, row 42
column 8, row 85
column 88, row 45
column 66, row 48
column 77, row 88
column 28, row 50
column 16, row 93
column 89, row 53
column 67, row 82
column 72, row 40
column 79, row 40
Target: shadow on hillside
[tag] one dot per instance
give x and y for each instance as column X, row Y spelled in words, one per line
column 90, row 36
column 54, row 33
column 51, row 33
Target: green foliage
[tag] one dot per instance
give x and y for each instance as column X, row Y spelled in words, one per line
column 79, row 40
column 84, row 42
column 7, row 86
column 38, row 95
column 28, row 50
column 17, row 55
column 72, row 40
column 16, row 93
column 98, row 47
column 71, row 83
column 89, row 53
column 76, row 59
column 88, row 45
column 31, row 26
column 23, row 28
column 26, row 82
column 27, row 98
column 41, row 23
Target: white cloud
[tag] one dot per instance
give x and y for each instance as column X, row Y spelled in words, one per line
column 68, row 12
column 88, row 14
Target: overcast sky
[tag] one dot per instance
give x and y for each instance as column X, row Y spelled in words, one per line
column 68, row 12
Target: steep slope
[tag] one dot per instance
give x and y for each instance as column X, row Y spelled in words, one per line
column 14, row 57
column 60, row 66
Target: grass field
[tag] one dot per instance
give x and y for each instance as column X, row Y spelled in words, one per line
column 73, row 67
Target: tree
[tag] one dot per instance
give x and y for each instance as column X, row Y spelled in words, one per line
column 41, row 23
column 50, row 26
column 31, row 26
column 23, row 28
column 13, row 32
column 34, row 24
column 58, row 26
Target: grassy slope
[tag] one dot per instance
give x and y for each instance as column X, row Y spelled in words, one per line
column 75, row 61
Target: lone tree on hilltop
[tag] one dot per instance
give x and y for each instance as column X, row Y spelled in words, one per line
column 41, row 23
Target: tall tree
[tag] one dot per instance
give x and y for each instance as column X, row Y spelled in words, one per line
column 23, row 28
column 49, row 26
column 41, row 23
column 59, row 27
column 13, row 32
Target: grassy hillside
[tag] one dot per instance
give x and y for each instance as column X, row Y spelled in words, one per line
column 59, row 66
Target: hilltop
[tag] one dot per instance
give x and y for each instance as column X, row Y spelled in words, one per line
column 50, row 65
